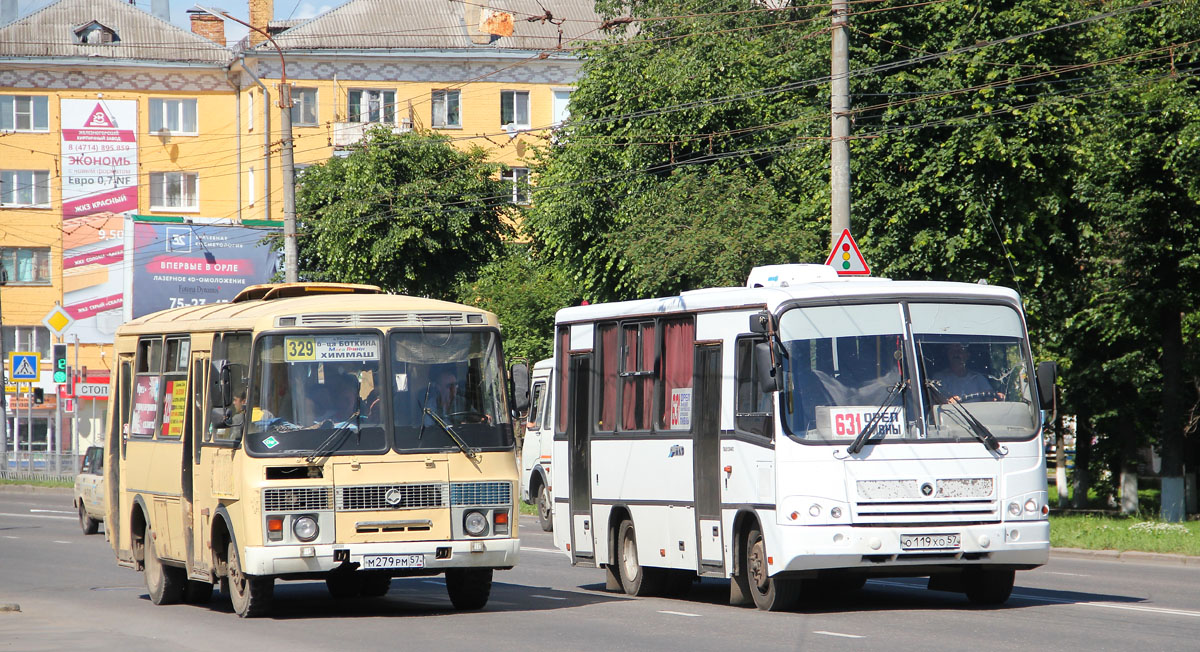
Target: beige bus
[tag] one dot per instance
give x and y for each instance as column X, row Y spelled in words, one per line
column 311, row 432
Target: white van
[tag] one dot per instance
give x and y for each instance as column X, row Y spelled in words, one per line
column 539, row 438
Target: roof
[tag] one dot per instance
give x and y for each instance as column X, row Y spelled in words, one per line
column 52, row 32
column 773, row 297
column 442, row 24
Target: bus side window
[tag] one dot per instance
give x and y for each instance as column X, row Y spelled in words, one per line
column 755, row 409
column 232, row 350
column 174, row 383
column 535, row 405
column 147, row 394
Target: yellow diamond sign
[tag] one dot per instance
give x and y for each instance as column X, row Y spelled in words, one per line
column 58, row 320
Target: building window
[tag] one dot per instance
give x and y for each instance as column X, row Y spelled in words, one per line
column 514, row 109
column 26, row 264
column 24, row 113
column 25, row 188
column 304, row 107
column 173, row 191
column 250, row 120
column 173, row 116
column 372, row 106
column 250, row 184
column 519, row 178
column 27, row 339
column 561, row 110
column 446, row 109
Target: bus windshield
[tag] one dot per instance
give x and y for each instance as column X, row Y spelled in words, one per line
column 846, row 365
column 308, row 388
column 455, row 375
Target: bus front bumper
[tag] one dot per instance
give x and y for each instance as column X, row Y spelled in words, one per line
column 1022, row 544
column 436, row 556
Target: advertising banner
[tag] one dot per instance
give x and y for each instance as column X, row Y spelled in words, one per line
column 93, row 276
column 195, row 264
column 99, row 156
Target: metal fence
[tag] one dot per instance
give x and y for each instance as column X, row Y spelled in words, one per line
column 49, row 467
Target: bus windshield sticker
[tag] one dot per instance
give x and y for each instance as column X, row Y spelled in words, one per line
column 849, row 420
column 681, row 408
column 331, row 348
column 270, row 442
column 401, row 382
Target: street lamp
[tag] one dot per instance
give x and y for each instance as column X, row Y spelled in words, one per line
column 289, row 166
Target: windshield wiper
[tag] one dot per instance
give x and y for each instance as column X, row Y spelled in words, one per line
column 873, row 423
column 973, row 425
column 471, row 453
column 327, row 447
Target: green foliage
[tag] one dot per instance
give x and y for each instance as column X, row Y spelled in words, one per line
column 524, row 291
column 408, row 212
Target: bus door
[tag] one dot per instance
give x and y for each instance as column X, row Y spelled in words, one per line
column 579, row 442
column 706, row 458
column 118, row 434
column 193, row 430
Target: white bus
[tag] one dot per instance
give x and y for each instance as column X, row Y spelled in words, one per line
column 536, row 448
column 803, row 432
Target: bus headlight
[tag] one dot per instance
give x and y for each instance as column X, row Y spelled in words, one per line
column 305, row 528
column 475, row 523
column 1031, row 506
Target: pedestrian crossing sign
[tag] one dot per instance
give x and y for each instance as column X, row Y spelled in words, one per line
column 24, row 366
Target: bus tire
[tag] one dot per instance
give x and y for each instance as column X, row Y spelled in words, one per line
column 469, row 588
column 164, row 583
column 635, row 578
column 544, row 507
column 988, row 586
column 198, row 592
column 250, row 595
column 88, row 524
column 769, row 593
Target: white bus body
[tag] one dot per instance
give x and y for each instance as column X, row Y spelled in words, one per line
column 536, row 447
column 671, row 462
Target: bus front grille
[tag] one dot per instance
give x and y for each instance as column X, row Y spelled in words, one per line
column 480, row 493
column 391, row 496
column 297, row 499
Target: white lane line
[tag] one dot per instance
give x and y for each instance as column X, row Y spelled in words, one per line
column 1067, row 574
column 550, row 550
column 61, row 518
column 9, row 536
column 546, row 597
column 680, row 613
column 838, row 634
column 432, row 582
column 1079, row 603
column 50, row 511
column 66, row 542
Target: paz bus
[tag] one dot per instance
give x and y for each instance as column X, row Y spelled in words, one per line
column 801, row 435
column 310, row 431
column 537, row 446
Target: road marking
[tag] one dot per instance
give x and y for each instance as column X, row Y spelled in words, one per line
column 680, row 613
column 66, row 542
column 546, row 597
column 1067, row 574
column 435, row 582
column 50, row 511
column 838, row 634
column 549, row 550
column 61, row 518
column 8, row 536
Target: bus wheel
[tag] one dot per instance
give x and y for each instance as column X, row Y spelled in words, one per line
column 198, row 592
column 87, row 523
column 769, row 593
column 543, row 506
column 635, row 578
column 165, row 583
column 250, row 595
column 469, row 588
column 988, row 586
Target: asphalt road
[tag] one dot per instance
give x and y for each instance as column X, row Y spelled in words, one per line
column 72, row 595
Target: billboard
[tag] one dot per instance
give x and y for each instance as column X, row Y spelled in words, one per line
column 194, row 264
column 93, row 275
column 99, row 157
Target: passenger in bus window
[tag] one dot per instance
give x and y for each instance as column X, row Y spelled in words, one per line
column 956, row 382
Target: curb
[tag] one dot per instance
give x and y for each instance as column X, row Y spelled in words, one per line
column 1132, row 556
column 29, row 489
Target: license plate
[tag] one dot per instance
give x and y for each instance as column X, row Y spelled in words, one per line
column 393, row 561
column 930, row 541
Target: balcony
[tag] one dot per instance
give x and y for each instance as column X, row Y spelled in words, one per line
column 346, row 134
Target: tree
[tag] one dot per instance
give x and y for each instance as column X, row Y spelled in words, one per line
column 408, row 212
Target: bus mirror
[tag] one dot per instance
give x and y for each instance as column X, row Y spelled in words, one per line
column 759, row 322
column 1047, row 378
column 520, row 378
column 768, row 379
column 224, row 397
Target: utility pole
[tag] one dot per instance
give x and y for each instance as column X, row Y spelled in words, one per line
column 839, row 105
column 4, row 389
column 290, row 252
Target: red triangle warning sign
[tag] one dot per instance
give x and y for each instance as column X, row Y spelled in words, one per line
column 846, row 258
column 98, row 118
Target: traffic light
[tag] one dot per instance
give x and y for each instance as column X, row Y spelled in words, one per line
column 39, row 396
column 60, row 363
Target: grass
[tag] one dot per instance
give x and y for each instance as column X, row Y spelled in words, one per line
column 39, row 483
column 527, row 509
column 1130, row 533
